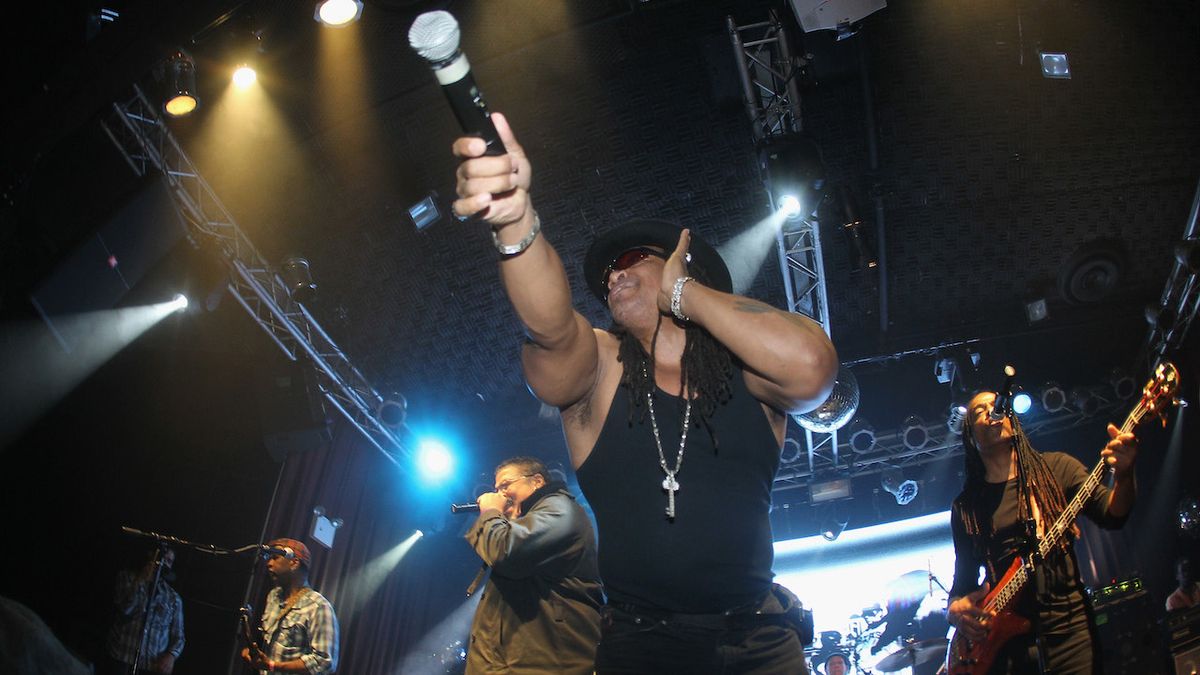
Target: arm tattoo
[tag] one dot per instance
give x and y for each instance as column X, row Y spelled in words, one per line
column 752, row 307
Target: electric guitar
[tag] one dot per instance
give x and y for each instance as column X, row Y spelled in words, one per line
column 965, row 657
column 246, row 624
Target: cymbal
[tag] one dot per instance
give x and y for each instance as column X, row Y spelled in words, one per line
column 913, row 655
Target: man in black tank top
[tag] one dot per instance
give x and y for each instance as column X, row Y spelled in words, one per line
column 674, row 419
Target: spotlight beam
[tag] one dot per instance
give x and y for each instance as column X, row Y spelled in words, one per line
column 43, row 367
column 746, row 253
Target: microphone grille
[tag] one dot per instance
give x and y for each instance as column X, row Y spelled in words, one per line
column 434, row 35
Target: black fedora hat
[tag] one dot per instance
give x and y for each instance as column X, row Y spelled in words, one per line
column 705, row 264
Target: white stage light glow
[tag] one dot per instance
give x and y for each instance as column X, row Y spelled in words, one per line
column 871, row 578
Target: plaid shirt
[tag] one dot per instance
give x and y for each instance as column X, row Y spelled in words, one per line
column 166, row 621
column 307, row 631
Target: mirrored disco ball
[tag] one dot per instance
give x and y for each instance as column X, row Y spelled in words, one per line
column 1189, row 517
column 837, row 410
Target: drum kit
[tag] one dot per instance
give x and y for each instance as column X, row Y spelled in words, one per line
column 910, row 647
column 855, row 646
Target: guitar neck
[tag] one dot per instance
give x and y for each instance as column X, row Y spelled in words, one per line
column 1051, row 538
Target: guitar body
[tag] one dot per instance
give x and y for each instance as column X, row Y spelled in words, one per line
column 965, row 657
column 975, row 658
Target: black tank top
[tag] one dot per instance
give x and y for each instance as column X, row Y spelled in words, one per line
column 717, row 554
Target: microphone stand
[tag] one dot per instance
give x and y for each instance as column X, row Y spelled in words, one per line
column 163, row 541
column 150, row 595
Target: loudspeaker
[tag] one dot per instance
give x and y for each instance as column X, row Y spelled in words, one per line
column 1182, row 629
column 291, row 409
column 1187, row 662
column 1129, row 638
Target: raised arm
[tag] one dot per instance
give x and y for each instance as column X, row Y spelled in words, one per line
column 791, row 361
column 561, row 358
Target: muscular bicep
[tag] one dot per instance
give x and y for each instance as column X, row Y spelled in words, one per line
column 563, row 372
column 799, row 395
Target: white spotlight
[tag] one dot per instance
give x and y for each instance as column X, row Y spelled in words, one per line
column 244, row 76
column 789, row 206
column 178, row 303
column 336, row 13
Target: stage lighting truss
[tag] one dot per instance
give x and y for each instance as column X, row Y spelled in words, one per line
column 868, row 449
column 135, row 127
column 770, row 74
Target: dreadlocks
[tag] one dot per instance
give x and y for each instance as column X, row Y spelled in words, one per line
column 1035, row 483
column 706, row 370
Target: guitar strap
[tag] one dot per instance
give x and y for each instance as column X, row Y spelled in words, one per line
column 291, row 604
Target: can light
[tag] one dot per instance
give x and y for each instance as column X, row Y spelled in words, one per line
column 336, row 13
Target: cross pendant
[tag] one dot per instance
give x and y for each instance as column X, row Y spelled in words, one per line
column 670, row 485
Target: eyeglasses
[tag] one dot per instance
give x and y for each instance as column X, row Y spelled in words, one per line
column 629, row 258
column 508, row 483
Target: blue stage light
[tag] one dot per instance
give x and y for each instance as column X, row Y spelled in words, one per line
column 434, row 460
column 1022, row 402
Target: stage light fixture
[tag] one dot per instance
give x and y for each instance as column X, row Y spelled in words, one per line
column 244, row 76
column 1055, row 65
column 789, row 206
column 862, row 255
column 425, row 212
column 954, row 419
column 178, row 303
column 833, row 526
column 434, row 460
column 829, row 490
column 1021, row 403
column 861, row 436
column 298, row 277
column 1085, row 401
column 1036, row 310
column 180, row 80
column 338, row 13
column 793, row 169
column 913, row 433
column 893, row 482
column 1054, row 398
column 1122, row 383
column 392, row 411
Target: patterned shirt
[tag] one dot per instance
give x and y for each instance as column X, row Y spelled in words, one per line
column 165, row 622
column 307, row 631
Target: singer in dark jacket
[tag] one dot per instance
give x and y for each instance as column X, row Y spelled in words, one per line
column 540, row 611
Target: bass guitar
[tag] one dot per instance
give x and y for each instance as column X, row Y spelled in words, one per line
column 967, row 657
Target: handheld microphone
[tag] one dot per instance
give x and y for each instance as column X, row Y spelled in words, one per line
column 1004, row 397
column 434, row 36
column 470, row 507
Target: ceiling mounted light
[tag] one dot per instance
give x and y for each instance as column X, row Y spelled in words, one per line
column 1054, row 398
column 1055, row 65
column 914, row 434
column 954, row 420
column 181, row 97
column 337, row 13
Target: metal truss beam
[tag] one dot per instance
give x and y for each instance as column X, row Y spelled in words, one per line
column 890, row 452
column 143, row 138
column 771, row 96
column 1180, row 300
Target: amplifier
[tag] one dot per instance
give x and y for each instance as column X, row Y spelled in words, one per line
column 1128, row 635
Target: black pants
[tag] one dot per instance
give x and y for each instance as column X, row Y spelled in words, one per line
column 1065, row 654
column 634, row 641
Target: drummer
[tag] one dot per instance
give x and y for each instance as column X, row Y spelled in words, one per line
column 836, row 664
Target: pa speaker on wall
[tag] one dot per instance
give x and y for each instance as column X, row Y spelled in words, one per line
column 292, row 409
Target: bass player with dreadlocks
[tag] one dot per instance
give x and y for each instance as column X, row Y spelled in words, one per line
column 674, row 419
column 1011, row 495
